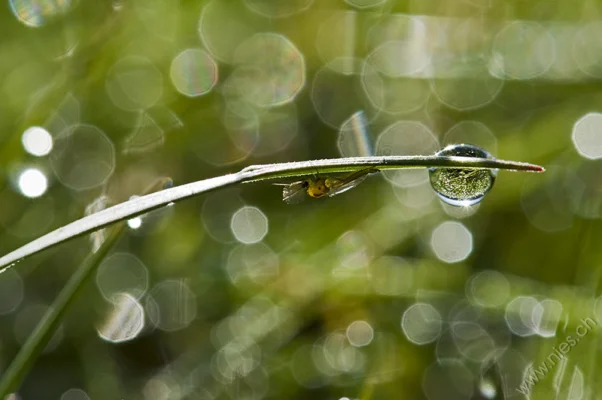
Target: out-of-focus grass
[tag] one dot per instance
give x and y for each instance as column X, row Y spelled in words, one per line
column 271, row 319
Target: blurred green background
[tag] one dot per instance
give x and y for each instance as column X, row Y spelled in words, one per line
column 382, row 292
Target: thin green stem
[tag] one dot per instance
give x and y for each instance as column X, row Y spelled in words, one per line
column 44, row 331
column 255, row 173
column 37, row 341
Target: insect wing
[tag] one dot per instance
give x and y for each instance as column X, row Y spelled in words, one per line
column 294, row 193
column 342, row 185
column 338, row 186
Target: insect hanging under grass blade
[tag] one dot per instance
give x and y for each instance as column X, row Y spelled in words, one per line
column 322, row 185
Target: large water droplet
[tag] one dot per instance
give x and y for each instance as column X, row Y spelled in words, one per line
column 462, row 187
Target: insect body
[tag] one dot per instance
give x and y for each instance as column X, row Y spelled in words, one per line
column 320, row 186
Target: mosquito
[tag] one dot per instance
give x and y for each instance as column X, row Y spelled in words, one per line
column 322, row 185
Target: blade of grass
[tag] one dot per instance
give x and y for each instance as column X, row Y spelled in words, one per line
column 37, row 341
column 255, row 173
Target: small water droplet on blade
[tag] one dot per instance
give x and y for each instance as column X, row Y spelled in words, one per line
column 462, row 187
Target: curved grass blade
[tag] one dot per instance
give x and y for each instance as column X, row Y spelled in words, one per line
column 255, row 173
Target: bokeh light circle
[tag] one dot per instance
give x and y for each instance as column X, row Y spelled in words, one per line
column 586, row 49
column 256, row 263
column 401, row 59
column 272, row 69
column 75, row 394
column 249, row 225
column 360, row 333
column 410, row 138
column 171, row 305
column 586, row 135
column 522, row 50
column 421, row 323
column 193, row 72
column 37, row 141
column 122, row 273
column 472, row 132
column 135, row 223
column 84, row 157
column 546, row 317
column 277, row 128
column 489, row 289
column 32, row 182
column 391, row 92
column 463, row 93
column 134, row 83
column 36, row 13
column 451, row 241
column 221, row 29
column 519, row 315
column 488, row 389
column 124, row 321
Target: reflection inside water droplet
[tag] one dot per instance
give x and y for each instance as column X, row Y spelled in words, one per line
column 462, row 187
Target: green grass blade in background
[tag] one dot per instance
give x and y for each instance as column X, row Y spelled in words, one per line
column 44, row 331
column 33, row 347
